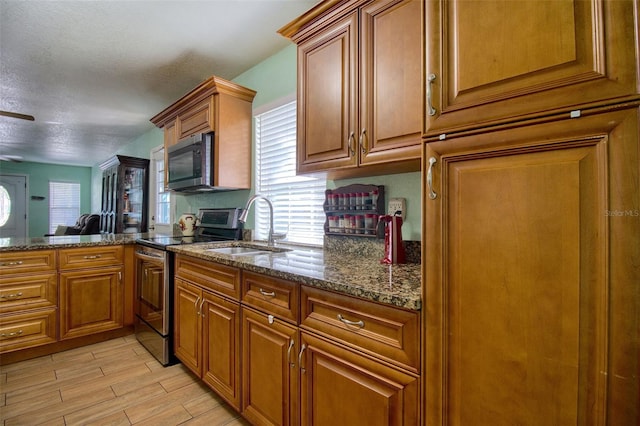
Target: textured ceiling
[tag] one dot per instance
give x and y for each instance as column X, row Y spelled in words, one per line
column 93, row 73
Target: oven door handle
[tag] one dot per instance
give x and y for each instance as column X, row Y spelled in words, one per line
column 149, row 256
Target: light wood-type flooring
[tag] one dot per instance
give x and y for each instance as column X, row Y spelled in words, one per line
column 110, row 383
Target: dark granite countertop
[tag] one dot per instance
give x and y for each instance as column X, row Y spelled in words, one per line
column 357, row 274
column 66, row 241
column 347, row 266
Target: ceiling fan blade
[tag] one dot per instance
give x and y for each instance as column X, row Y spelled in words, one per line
column 17, row 115
column 12, row 158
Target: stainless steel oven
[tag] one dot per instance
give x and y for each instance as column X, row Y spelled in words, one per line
column 153, row 303
column 153, row 307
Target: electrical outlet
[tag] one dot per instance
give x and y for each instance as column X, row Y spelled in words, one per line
column 396, row 204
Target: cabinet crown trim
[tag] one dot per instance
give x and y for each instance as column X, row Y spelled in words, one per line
column 211, row 86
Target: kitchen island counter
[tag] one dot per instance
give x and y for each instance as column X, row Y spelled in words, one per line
column 66, row 241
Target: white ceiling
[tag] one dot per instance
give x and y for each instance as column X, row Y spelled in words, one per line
column 93, row 73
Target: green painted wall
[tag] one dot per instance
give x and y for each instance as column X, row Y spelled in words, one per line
column 39, row 175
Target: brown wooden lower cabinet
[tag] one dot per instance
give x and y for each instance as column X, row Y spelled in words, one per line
column 341, row 386
column 187, row 326
column 28, row 299
column 53, row 300
column 91, row 301
column 207, row 338
column 254, row 355
column 23, row 330
column 221, row 346
column 270, row 369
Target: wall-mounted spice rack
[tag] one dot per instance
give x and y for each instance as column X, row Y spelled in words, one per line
column 354, row 210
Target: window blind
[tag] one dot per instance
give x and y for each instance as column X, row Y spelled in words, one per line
column 163, row 198
column 297, row 200
column 64, row 204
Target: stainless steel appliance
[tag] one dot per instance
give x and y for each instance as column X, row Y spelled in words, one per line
column 190, row 164
column 154, row 278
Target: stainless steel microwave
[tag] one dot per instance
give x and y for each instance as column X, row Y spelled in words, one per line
column 190, row 164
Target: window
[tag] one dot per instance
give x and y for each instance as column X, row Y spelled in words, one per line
column 297, row 200
column 163, row 198
column 160, row 202
column 5, row 206
column 64, row 204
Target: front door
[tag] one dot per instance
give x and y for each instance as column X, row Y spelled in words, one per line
column 13, row 206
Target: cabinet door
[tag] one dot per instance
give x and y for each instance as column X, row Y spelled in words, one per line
column 340, row 385
column 327, row 97
column 390, row 81
column 221, row 345
column 524, row 58
column 532, row 296
column 270, row 376
column 188, row 325
column 91, row 301
column 199, row 118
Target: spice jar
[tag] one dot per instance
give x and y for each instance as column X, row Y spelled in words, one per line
column 370, row 223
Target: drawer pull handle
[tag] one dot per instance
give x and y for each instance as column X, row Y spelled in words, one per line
column 363, row 141
column 267, row 293
column 430, row 109
column 300, row 357
column 12, row 334
column 432, row 194
column 291, row 343
column 195, row 306
column 11, row 296
column 350, row 141
column 97, row 256
column 346, row 321
column 19, row 262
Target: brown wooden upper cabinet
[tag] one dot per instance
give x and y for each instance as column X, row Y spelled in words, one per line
column 492, row 62
column 359, row 86
column 220, row 106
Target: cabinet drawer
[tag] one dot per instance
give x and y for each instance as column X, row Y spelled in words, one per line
column 27, row 261
column 386, row 332
column 20, row 331
column 91, row 257
column 28, row 292
column 272, row 295
column 197, row 119
column 216, row 277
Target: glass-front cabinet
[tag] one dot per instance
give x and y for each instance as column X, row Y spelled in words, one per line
column 125, row 186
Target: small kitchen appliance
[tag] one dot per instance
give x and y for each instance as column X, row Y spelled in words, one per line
column 393, row 244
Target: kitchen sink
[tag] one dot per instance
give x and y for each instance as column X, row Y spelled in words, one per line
column 246, row 250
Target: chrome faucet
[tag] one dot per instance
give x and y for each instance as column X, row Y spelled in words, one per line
column 243, row 218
